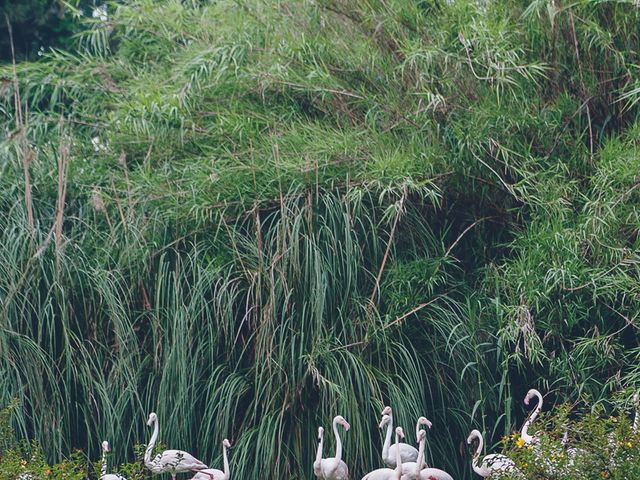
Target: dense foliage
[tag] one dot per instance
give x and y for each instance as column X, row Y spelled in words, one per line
column 28, row 28
column 252, row 215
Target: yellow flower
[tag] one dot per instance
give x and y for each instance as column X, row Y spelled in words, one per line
column 520, row 443
column 628, row 445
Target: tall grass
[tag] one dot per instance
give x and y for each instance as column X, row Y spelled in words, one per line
column 260, row 348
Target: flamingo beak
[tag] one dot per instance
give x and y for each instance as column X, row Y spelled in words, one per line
column 346, row 425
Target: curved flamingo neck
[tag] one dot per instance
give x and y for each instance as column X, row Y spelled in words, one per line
column 152, row 442
column 225, row 461
column 103, row 469
column 476, row 468
column 398, row 458
column 338, row 440
column 387, row 439
column 420, row 460
column 524, row 433
column 319, row 452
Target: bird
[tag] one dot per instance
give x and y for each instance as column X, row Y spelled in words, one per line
column 411, row 470
column 636, row 403
column 524, row 433
column 169, row 461
column 317, row 469
column 389, row 473
column 573, row 453
column 490, row 464
column 332, row 468
column 408, row 453
column 103, row 469
column 214, row 473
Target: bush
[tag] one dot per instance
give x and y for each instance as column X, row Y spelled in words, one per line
column 591, row 446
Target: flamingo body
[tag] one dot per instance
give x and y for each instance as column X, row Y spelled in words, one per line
column 209, row 474
column 494, row 463
column 330, row 468
column 333, row 468
column 414, row 470
column 388, row 473
column 174, row 461
column 408, row 453
column 169, row 461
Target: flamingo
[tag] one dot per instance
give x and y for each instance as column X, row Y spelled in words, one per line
column 389, row 473
column 409, row 468
column 524, row 433
column 103, row 469
column 317, row 470
column 411, row 471
column 573, row 453
column 408, row 453
column 426, row 473
column 636, row 402
column 332, row 468
column 494, row 463
column 213, row 473
column 169, row 461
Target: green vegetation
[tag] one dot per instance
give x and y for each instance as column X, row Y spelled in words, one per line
column 28, row 28
column 604, row 448
column 250, row 216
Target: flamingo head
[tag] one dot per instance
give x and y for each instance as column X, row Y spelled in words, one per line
column 385, row 419
column 400, row 432
column 530, row 394
column 340, row 420
column 320, row 433
column 226, row 443
column 472, row 435
column 420, row 435
column 386, row 410
column 423, row 421
column 152, row 418
column 105, row 446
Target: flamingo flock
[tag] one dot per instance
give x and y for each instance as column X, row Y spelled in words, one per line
column 402, row 461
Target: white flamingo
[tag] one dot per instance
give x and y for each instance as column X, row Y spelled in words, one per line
column 491, row 464
column 426, row 473
column 573, row 453
column 409, row 468
column 408, row 453
column 332, row 468
column 169, row 461
column 317, row 470
column 524, row 433
column 103, row 469
column 214, row 473
column 636, row 403
column 389, row 473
